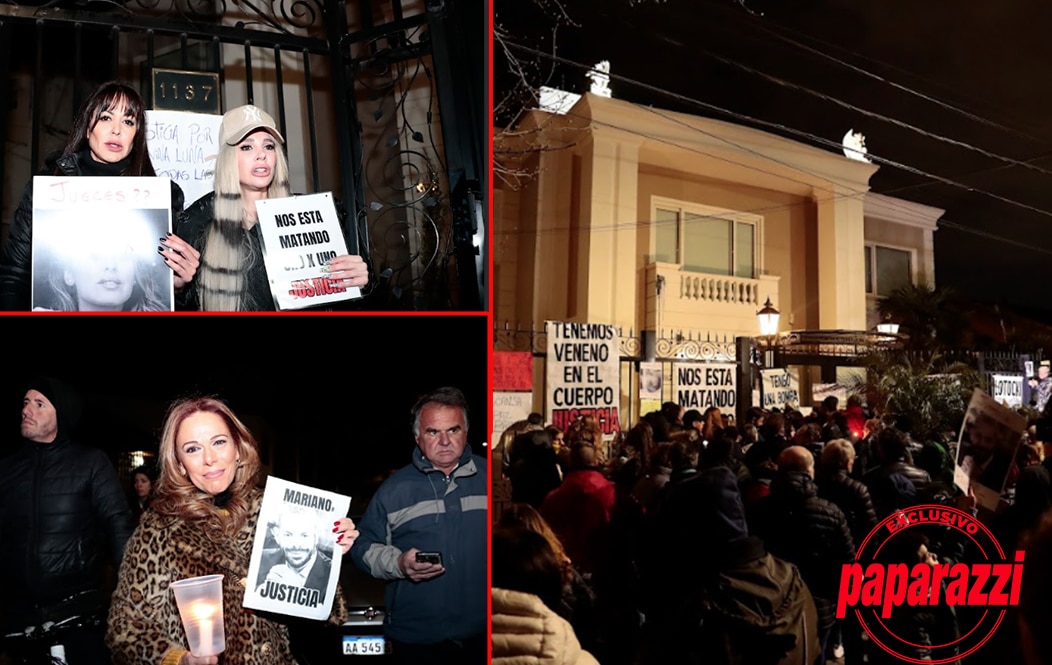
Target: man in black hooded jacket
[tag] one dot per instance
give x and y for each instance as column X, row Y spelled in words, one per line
column 62, row 511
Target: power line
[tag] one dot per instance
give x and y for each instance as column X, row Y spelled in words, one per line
column 785, row 128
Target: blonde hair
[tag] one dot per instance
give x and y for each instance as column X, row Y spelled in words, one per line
column 176, row 496
column 229, row 248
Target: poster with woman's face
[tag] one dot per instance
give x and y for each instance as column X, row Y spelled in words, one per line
column 95, row 244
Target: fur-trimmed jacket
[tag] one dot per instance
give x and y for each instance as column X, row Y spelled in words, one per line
column 144, row 625
column 527, row 632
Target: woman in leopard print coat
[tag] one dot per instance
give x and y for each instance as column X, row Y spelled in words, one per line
column 202, row 521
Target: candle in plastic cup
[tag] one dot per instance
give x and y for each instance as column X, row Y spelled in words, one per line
column 200, row 601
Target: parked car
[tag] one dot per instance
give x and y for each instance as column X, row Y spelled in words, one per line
column 360, row 638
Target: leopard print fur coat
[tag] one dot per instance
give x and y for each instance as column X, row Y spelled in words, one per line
column 144, row 625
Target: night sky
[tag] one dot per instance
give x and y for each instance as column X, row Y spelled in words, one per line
column 944, row 92
column 330, row 395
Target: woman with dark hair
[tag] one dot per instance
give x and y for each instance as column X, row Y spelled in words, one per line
column 527, row 586
column 144, row 478
column 223, row 225
column 202, row 521
column 108, row 138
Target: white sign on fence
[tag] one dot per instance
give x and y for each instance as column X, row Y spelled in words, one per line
column 1007, row 389
column 582, row 374
column 780, row 387
column 701, row 385
column 183, row 146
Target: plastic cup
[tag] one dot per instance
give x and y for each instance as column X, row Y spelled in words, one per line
column 200, row 601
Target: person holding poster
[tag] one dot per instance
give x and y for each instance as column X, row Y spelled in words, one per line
column 202, row 521
column 223, row 225
column 104, row 141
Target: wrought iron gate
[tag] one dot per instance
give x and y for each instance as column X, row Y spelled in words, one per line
column 383, row 104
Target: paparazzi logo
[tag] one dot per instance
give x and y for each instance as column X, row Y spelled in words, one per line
column 879, row 586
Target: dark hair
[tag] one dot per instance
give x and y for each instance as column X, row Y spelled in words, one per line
column 148, row 470
column 105, row 98
column 446, row 396
column 523, row 560
column 891, row 445
column 692, row 416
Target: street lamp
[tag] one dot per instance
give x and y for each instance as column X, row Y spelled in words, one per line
column 887, row 326
column 768, row 317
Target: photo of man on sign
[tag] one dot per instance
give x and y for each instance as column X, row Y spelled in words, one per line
column 293, row 557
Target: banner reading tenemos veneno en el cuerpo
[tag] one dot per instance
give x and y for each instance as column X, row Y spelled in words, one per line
column 582, row 374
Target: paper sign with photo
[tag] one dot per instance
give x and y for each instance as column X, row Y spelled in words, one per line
column 986, row 447
column 295, row 562
column 95, row 244
column 301, row 234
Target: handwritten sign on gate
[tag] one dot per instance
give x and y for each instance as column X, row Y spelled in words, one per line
column 183, row 146
column 780, row 387
column 582, row 374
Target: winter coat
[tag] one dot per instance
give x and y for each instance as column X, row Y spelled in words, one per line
column 419, row 506
column 808, row 531
column 579, row 511
column 16, row 258
column 759, row 612
column 852, row 497
column 63, row 518
column 144, row 623
column 883, row 488
column 193, row 228
column 526, row 632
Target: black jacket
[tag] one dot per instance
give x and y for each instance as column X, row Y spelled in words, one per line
column 193, row 228
column 811, row 532
column 62, row 511
column 852, row 497
column 16, row 257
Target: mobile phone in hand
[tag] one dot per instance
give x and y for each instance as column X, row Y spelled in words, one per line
column 429, row 557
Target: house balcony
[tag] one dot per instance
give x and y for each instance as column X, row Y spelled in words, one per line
column 696, row 303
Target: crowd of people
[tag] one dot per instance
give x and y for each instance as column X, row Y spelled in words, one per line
column 214, row 249
column 692, row 538
column 68, row 528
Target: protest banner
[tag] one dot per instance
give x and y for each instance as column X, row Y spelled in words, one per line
column 301, row 234
column 513, row 370
column 583, row 377
column 703, row 385
column 986, row 447
column 295, row 562
column 820, row 391
column 1007, row 389
column 779, row 387
column 508, row 409
column 95, row 244
column 183, row 146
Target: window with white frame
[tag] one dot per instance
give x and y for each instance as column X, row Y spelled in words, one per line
column 704, row 239
column 887, row 269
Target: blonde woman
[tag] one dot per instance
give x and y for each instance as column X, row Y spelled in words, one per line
column 222, row 225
